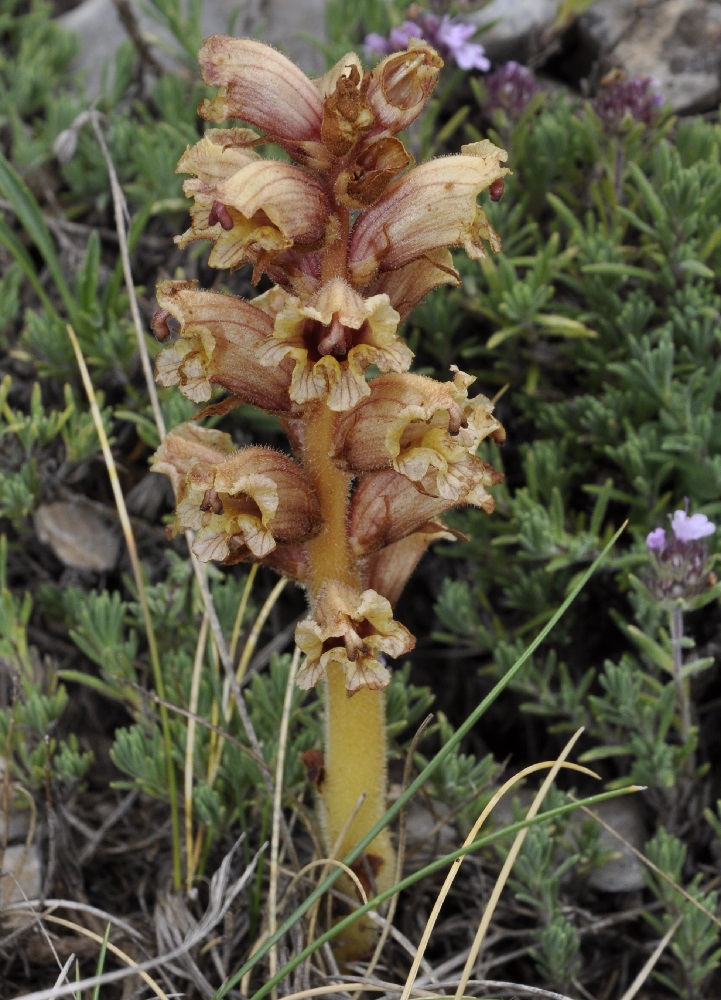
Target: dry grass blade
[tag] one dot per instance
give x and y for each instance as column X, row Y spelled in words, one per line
column 645, row 972
column 222, row 894
column 257, row 627
column 512, row 855
column 132, row 966
column 277, row 809
column 192, row 850
column 121, row 213
column 63, row 974
column 455, row 868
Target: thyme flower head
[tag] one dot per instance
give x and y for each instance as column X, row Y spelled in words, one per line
column 509, row 88
column 621, row 97
column 680, row 559
column 685, row 529
column 448, row 35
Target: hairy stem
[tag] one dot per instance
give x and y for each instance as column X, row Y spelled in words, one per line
column 354, row 787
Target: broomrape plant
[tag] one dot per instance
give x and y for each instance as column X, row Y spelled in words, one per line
column 352, row 235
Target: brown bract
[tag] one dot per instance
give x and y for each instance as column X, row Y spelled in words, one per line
column 386, row 506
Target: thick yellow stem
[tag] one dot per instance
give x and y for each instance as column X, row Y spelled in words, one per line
column 330, row 557
column 355, row 779
column 355, row 744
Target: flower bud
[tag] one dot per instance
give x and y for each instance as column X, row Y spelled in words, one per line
column 401, row 85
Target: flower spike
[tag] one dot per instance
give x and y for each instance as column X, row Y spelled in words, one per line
column 352, row 235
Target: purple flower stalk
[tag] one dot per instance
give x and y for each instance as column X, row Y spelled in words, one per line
column 680, row 561
column 622, row 97
column 448, row 35
column 509, row 88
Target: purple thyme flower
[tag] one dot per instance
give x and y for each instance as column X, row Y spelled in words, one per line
column 448, row 35
column 400, row 36
column 452, row 38
column 510, row 88
column 623, row 97
column 376, row 46
column 680, row 563
column 656, row 539
column 689, row 529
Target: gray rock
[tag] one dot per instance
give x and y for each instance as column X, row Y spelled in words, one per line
column 81, row 534
column 676, row 42
column 279, row 22
column 22, row 879
column 623, row 872
column 519, row 23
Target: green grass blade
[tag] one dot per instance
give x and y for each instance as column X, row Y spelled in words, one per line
column 23, row 202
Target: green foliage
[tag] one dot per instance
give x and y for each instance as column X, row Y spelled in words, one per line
column 695, row 951
column 601, row 318
column 539, row 875
column 37, row 757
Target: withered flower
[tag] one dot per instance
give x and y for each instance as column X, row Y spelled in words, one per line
column 353, row 630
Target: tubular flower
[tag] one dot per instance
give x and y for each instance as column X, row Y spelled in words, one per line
column 353, row 630
column 431, row 206
column 241, row 504
column 427, row 431
column 386, row 506
column 261, row 86
column 333, row 338
column 218, row 345
column 251, row 208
